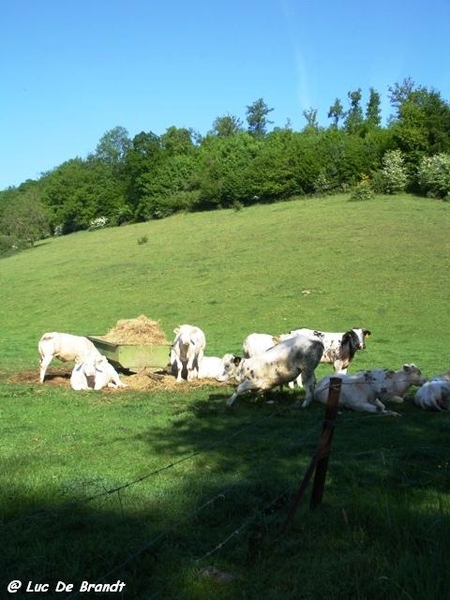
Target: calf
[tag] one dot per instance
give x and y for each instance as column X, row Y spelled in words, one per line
column 365, row 390
column 95, row 375
column 83, row 376
column 280, row 364
column 213, row 367
column 187, row 351
column 65, row 347
column 106, row 375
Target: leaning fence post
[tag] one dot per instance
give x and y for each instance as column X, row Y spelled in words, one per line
column 319, row 461
column 327, row 436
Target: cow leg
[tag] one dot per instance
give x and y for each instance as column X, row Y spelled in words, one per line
column 45, row 361
column 179, row 366
column 377, row 407
column 244, row 386
column 309, row 383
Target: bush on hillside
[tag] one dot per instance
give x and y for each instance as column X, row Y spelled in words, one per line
column 434, row 175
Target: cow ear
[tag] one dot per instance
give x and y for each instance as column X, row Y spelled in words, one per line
column 176, row 330
column 367, row 333
column 237, row 360
column 406, row 367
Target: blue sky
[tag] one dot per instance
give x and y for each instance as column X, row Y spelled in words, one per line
column 71, row 71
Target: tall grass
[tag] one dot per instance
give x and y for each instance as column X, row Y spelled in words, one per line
column 170, row 491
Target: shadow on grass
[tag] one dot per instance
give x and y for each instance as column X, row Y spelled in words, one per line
column 382, row 531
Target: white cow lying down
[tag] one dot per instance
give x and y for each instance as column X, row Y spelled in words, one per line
column 280, row 364
column 212, row 367
column 435, row 393
column 187, row 351
column 365, row 390
column 95, row 375
column 65, row 347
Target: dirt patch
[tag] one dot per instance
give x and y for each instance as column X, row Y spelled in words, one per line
column 144, row 381
column 140, row 330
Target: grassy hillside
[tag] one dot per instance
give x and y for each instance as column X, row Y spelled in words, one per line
column 181, row 498
column 328, row 263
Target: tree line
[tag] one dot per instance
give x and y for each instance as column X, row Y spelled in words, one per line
column 237, row 163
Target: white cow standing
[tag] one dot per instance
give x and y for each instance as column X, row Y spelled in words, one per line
column 367, row 390
column 65, row 347
column 257, row 343
column 187, row 351
column 280, row 364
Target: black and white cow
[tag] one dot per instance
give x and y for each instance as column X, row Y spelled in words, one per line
column 339, row 348
column 280, row 364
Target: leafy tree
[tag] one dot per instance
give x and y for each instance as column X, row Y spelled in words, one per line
column 336, row 112
column 177, row 141
column 226, row 126
column 354, row 117
column 169, row 188
column 113, row 147
column 400, row 92
column 79, row 191
column 224, row 170
column 142, row 158
column 423, row 125
column 373, row 110
column 312, row 124
column 25, row 220
column 257, row 118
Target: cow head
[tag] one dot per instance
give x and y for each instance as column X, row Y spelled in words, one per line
column 230, row 364
column 414, row 374
column 358, row 337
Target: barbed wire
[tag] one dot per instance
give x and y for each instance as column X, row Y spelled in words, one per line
column 82, row 501
column 220, row 495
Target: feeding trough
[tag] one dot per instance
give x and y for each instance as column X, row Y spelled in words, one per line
column 134, row 345
column 133, row 357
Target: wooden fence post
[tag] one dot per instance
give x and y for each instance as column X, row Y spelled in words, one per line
column 319, row 462
column 323, row 451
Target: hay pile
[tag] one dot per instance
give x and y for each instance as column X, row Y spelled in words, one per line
column 140, row 330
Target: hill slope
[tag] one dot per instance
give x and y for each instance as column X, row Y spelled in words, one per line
column 325, row 263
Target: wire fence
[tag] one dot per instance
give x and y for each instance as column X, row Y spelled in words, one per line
column 292, row 441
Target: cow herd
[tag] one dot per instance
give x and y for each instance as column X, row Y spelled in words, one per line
column 267, row 362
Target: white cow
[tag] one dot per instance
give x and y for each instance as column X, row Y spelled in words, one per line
column 106, row 375
column 212, row 367
column 280, row 364
column 257, row 343
column 435, row 393
column 95, row 375
column 187, row 351
column 367, row 390
column 339, row 348
column 83, row 376
column 65, row 347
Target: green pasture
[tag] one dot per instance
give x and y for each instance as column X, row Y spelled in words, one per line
column 184, row 499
